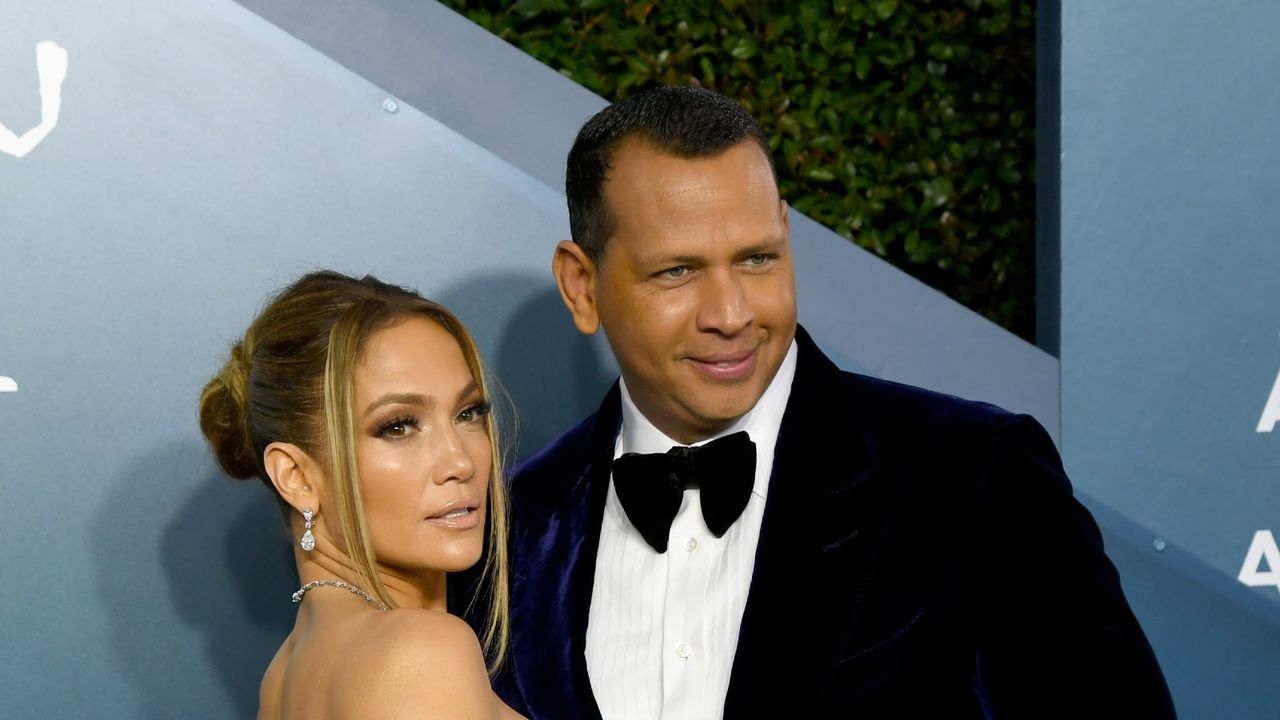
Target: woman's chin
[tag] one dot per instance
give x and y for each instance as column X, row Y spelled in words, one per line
column 453, row 560
column 457, row 560
column 458, row 564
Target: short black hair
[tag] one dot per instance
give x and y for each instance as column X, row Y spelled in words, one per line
column 686, row 122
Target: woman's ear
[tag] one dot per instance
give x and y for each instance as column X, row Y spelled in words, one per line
column 294, row 475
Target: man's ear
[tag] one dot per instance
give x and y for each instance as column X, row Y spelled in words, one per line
column 294, row 475
column 786, row 217
column 575, row 275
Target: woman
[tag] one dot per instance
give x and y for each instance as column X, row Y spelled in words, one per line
column 364, row 406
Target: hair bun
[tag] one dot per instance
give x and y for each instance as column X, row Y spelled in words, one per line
column 224, row 417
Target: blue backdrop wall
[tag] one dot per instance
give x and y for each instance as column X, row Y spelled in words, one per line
column 1170, row 332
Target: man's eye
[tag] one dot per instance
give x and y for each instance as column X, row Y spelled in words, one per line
column 675, row 272
column 758, row 259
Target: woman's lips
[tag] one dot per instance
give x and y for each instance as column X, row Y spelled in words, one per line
column 726, row 367
column 457, row 515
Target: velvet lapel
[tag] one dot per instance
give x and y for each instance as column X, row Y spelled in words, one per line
column 823, row 518
column 553, row 578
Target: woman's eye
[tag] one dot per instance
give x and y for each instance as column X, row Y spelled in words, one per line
column 397, row 428
column 474, row 413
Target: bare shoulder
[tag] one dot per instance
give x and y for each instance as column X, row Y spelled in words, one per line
column 272, row 687
column 415, row 664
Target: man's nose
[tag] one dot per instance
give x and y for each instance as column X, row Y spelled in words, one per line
column 724, row 307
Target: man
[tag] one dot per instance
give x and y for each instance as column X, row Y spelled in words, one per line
column 835, row 545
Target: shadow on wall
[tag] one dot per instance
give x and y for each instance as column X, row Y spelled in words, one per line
column 554, row 374
column 176, row 536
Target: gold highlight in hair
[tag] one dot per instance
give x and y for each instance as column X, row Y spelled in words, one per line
column 345, row 341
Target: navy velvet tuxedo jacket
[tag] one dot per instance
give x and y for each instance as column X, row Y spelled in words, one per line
column 920, row 556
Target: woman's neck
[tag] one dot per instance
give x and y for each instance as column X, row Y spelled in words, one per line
column 405, row 590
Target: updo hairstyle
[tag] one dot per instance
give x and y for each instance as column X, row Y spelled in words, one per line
column 291, row 379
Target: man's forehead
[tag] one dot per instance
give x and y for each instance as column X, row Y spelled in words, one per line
column 639, row 171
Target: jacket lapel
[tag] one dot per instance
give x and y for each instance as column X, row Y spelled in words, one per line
column 823, row 520
column 552, row 580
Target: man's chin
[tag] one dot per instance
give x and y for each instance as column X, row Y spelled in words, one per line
column 713, row 418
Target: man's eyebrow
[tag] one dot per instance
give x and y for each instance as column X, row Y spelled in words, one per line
column 393, row 398
column 764, row 246
column 672, row 260
column 768, row 245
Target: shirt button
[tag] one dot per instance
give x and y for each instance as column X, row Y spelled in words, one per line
column 690, row 545
column 683, row 651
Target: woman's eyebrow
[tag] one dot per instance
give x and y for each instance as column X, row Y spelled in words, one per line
column 403, row 398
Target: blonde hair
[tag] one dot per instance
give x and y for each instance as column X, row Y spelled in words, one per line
column 291, row 379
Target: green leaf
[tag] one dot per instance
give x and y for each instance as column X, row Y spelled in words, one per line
column 885, row 8
column 1009, row 174
column 938, row 191
column 744, row 48
column 862, row 66
column 708, row 74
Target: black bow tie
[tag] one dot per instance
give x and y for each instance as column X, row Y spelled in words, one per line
column 651, row 487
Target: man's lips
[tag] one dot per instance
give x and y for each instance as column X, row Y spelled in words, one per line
column 724, row 366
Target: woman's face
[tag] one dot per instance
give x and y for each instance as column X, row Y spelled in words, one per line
column 422, row 447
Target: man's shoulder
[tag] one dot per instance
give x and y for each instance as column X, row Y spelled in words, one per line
column 881, row 406
column 574, row 447
column 562, row 461
column 892, row 405
column 935, row 438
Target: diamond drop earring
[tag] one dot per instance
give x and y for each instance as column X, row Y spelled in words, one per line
column 308, row 541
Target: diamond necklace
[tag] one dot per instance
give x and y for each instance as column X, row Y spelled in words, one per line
column 297, row 596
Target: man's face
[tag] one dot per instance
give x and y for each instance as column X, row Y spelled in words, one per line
column 696, row 289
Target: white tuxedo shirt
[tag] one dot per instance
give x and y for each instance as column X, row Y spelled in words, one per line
column 663, row 628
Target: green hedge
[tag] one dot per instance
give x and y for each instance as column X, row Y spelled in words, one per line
column 907, row 127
